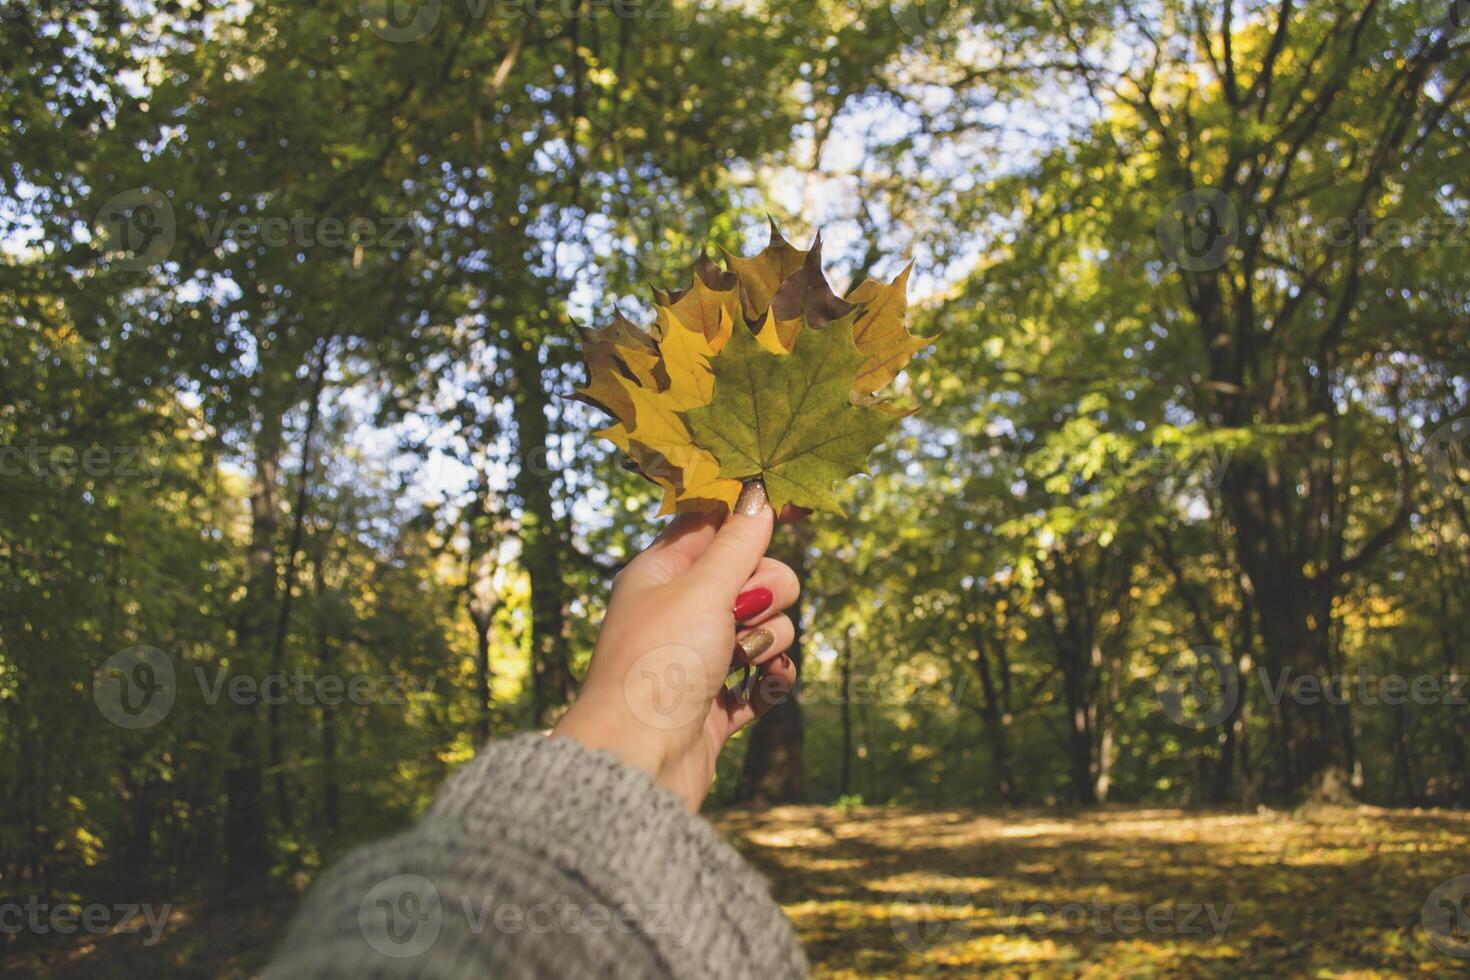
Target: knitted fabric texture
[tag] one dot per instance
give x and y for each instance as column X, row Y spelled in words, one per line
column 543, row 859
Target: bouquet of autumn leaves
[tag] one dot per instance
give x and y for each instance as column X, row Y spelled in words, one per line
column 758, row 370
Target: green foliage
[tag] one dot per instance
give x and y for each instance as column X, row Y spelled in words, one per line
column 366, row 459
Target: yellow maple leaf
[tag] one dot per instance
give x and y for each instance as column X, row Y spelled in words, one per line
column 664, row 385
column 686, row 355
column 621, row 350
column 885, row 343
column 694, row 473
column 711, row 305
column 777, row 336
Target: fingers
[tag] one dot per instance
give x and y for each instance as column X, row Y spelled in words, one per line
column 774, row 683
column 772, row 587
column 739, row 545
column 674, row 550
column 765, row 642
column 687, row 536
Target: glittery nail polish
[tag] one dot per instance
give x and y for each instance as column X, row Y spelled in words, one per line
column 752, row 499
column 755, row 643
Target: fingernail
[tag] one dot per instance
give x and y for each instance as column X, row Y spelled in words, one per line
column 752, row 602
column 752, row 499
column 755, row 643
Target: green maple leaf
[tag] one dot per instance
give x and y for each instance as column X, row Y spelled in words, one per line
column 789, row 419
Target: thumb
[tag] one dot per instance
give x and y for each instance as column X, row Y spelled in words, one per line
column 740, row 543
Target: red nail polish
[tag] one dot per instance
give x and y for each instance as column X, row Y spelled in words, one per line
column 752, row 602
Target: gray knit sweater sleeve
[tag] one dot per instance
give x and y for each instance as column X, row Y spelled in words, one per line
column 543, row 859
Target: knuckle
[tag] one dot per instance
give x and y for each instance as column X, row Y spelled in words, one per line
column 791, row 584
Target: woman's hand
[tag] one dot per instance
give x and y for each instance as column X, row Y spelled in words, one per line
column 655, row 692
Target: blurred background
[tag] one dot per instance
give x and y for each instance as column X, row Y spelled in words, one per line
column 1166, row 587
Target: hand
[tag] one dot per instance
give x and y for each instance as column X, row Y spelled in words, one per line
column 655, row 692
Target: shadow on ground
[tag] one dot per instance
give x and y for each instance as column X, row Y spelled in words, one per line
column 893, row 892
column 1141, row 892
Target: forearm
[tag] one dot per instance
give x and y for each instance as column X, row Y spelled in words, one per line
column 542, row 858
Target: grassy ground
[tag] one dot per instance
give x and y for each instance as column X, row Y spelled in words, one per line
column 1116, row 892
column 892, row 892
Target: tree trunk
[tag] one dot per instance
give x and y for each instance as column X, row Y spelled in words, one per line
column 1079, row 725
column 1310, row 749
column 1107, row 749
column 482, row 682
column 1457, row 732
column 331, row 787
column 844, row 781
column 276, row 740
column 247, row 851
column 1403, row 762
column 541, row 541
column 1077, row 601
column 995, row 712
column 773, row 771
column 480, row 603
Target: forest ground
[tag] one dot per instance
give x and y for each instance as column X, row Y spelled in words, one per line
column 890, row 891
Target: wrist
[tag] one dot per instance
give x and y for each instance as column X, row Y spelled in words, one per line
column 602, row 726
